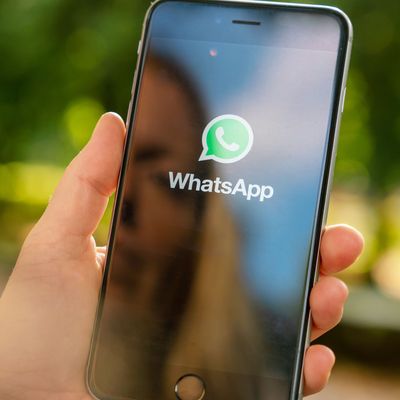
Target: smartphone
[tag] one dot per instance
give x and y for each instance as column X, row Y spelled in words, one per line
column 222, row 197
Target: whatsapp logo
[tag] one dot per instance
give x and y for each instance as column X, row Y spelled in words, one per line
column 227, row 139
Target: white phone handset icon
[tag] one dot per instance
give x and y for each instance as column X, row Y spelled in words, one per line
column 219, row 134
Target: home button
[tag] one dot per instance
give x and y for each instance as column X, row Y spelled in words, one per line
column 190, row 387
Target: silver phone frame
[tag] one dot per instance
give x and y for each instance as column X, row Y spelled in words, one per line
column 326, row 183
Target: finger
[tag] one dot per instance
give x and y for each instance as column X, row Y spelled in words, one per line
column 101, row 252
column 341, row 245
column 101, row 249
column 82, row 194
column 318, row 364
column 100, row 260
column 327, row 301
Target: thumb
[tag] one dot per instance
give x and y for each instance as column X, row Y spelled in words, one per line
column 81, row 197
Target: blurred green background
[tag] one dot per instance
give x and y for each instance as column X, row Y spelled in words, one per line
column 64, row 62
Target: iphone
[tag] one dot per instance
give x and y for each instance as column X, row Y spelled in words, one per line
column 222, row 197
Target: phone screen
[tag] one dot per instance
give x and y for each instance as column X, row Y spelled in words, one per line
column 213, row 238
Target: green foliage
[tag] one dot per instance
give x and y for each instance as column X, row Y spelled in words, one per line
column 57, row 55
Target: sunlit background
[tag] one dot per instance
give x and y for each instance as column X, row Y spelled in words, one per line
column 64, row 62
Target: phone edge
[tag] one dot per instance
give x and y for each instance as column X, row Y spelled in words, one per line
column 119, row 187
column 323, row 207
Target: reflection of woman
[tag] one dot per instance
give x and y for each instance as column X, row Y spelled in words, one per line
column 174, row 296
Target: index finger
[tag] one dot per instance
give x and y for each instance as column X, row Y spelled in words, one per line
column 341, row 245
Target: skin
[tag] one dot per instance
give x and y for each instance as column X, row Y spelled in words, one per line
column 48, row 307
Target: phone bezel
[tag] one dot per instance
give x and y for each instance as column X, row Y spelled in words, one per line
column 325, row 189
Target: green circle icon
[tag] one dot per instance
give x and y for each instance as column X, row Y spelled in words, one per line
column 227, row 139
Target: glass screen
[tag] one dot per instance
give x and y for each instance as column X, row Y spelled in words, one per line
column 213, row 238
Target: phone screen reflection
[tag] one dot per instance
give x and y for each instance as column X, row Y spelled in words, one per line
column 205, row 282
column 174, row 301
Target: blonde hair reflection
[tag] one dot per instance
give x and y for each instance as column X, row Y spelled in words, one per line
column 219, row 331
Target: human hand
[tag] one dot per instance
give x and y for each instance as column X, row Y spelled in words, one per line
column 49, row 304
